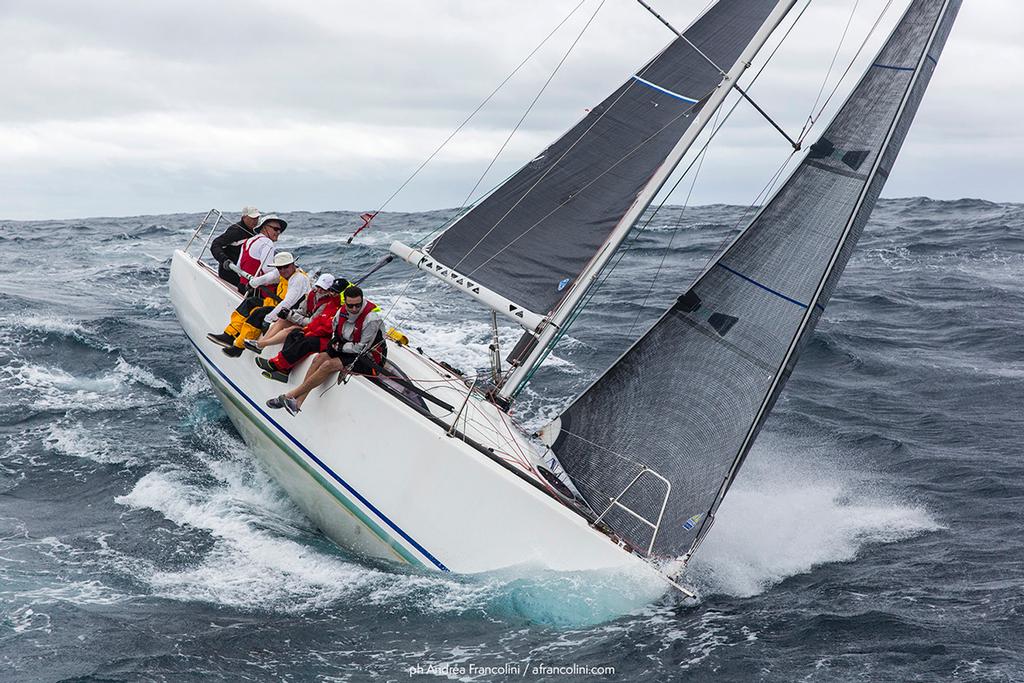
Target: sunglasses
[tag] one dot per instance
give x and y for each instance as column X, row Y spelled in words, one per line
column 353, row 304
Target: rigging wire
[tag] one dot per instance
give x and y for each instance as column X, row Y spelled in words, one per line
column 537, row 97
column 835, row 55
column 874, row 27
column 675, row 231
column 479, row 107
column 604, row 276
column 767, row 189
column 551, row 167
column 625, row 156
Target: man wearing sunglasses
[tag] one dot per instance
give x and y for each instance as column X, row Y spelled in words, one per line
column 357, row 345
column 257, row 253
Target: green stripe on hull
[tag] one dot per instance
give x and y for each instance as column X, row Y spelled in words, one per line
column 398, row 549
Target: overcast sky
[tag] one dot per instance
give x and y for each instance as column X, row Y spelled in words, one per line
column 122, row 107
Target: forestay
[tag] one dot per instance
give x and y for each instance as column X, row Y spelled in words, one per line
column 689, row 397
column 530, row 239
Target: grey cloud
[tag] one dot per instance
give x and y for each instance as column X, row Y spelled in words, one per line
column 111, row 84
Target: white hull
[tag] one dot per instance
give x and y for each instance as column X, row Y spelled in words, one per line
column 384, row 480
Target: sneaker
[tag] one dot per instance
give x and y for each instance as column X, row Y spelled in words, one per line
column 276, row 402
column 264, row 364
column 291, row 405
column 276, row 375
column 232, row 351
column 224, row 339
column 252, row 346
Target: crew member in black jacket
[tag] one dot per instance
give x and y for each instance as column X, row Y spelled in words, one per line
column 227, row 246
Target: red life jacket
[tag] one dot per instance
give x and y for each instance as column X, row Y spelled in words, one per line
column 312, row 303
column 377, row 347
column 248, row 262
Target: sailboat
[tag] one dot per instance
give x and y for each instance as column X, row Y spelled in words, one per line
column 424, row 467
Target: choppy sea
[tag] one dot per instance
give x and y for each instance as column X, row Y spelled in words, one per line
column 874, row 534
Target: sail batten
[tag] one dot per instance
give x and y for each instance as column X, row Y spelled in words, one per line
column 691, row 395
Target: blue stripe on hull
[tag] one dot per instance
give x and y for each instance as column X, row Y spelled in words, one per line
column 437, row 563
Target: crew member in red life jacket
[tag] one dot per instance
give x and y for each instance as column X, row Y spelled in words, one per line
column 357, row 345
column 313, row 338
column 227, row 246
column 257, row 254
column 320, row 298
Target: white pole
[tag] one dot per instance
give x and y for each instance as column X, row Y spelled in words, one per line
column 529, row 320
column 643, row 200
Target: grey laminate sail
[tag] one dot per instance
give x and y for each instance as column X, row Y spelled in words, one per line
column 689, row 397
column 530, row 239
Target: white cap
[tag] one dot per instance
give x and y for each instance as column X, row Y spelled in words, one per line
column 283, row 258
column 325, row 281
column 251, row 212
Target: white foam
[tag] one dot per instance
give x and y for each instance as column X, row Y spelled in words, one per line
column 89, row 592
column 261, row 559
column 782, row 519
column 137, row 375
column 53, row 388
column 46, row 323
column 76, row 440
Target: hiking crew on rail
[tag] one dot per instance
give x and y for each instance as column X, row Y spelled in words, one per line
column 331, row 319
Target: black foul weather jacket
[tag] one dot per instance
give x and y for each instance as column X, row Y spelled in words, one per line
column 227, row 247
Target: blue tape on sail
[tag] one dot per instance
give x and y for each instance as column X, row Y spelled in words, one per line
column 665, row 90
column 766, row 288
column 894, row 68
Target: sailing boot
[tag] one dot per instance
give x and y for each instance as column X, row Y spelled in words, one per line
column 276, row 375
column 223, row 339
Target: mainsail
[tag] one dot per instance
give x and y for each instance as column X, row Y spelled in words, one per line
column 530, row 239
column 689, row 397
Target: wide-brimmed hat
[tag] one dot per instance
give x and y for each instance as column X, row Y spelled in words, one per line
column 283, row 258
column 272, row 217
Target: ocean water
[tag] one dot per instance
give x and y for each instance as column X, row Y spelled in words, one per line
column 874, row 534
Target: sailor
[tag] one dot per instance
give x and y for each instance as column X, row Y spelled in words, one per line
column 299, row 316
column 292, row 285
column 313, row 337
column 357, row 345
column 227, row 246
column 257, row 252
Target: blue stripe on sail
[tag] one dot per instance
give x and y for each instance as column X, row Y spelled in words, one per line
column 665, row 90
column 764, row 287
column 894, row 68
column 319, row 462
column 933, row 60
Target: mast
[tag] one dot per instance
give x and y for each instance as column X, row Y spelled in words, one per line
column 813, row 308
column 587, row 278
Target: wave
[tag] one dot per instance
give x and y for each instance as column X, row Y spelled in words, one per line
column 782, row 519
column 52, row 388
